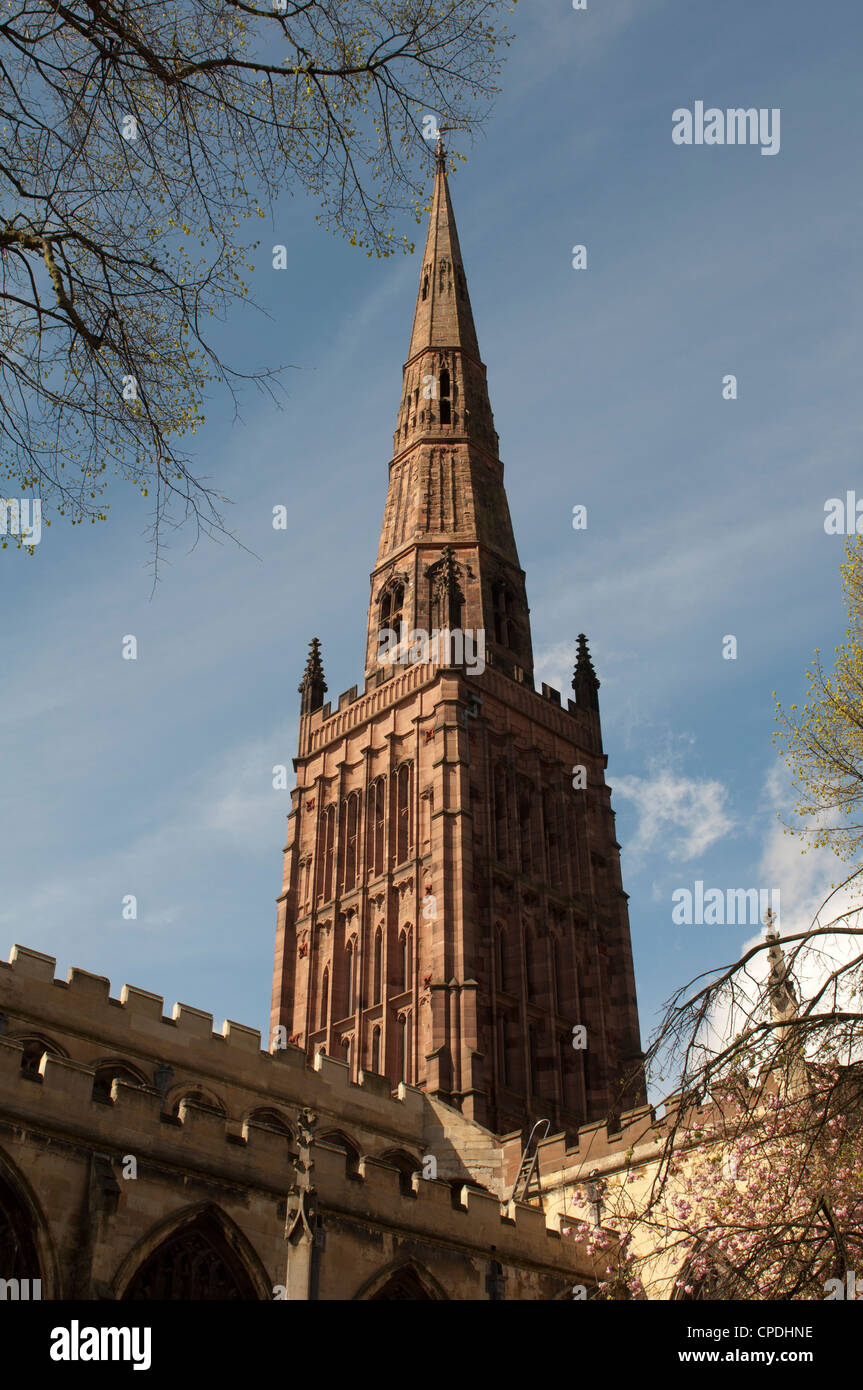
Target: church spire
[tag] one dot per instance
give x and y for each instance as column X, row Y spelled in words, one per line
column 447, row 557
column 443, row 316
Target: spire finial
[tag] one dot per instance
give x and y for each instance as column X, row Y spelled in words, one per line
column 440, row 153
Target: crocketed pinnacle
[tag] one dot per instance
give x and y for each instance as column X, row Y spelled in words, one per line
column 313, row 687
column 584, row 681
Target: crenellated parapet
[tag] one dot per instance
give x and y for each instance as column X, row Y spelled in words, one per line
column 210, row 1118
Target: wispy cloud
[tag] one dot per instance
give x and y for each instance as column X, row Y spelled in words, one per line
column 682, row 816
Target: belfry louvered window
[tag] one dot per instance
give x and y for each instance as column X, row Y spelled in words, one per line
column 445, row 402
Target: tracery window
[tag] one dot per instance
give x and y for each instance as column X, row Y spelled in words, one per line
column 325, row 860
column 195, row 1263
column 404, row 812
column 18, row 1257
column 352, row 827
column 376, row 820
column 377, row 969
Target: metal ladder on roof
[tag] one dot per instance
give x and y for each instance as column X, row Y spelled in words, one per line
column 528, row 1171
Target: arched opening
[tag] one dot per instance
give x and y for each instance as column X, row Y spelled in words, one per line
column 337, row 1140
column 35, row 1048
column 405, row 962
column 352, row 825
column 403, row 1048
column 376, row 826
column 196, row 1262
column 557, row 966
column 271, row 1120
column 524, row 827
column 407, row 1166
column 376, row 1051
column 325, row 863
column 500, row 813
column 109, row 1072
column 533, row 1058
column 19, row 1257
column 445, row 403
column 552, row 836
column 502, row 1045
column 404, row 1285
column 500, row 946
column 563, row 1051
column 377, row 972
column 199, row 1100
column 404, row 826
column 349, row 978
column 325, row 997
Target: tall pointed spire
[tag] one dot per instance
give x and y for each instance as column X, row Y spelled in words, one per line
column 443, row 316
column 447, row 554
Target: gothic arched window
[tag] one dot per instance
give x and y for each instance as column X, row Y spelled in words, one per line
column 404, row 826
column 108, row 1073
column 271, row 1120
column 325, row 997
column 376, row 821
column 377, row 971
column 500, row 943
column 376, row 1051
column 349, row 978
column 425, row 287
column 337, row 1140
column 563, row 1051
column 524, row 828
column 552, row 836
column 503, row 609
column 557, row 966
column 18, row 1252
column 502, row 1051
column 533, row 1058
column 407, row 1165
column 403, row 1042
column 404, row 944
column 403, row 1286
column 325, row 861
column 195, row 1263
column 500, row 813
column 445, row 403
column 531, row 948
column 35, row 1048
column 352, row 826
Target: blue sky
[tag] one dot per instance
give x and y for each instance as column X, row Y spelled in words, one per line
column 705, row 516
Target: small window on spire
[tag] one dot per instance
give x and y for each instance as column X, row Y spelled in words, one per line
column 425, row 287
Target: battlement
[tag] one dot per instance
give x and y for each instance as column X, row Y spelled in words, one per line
column 639, row 1138
column 84, row 1020
column 58, row 1103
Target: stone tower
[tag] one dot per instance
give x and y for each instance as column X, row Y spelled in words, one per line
column 452, row 912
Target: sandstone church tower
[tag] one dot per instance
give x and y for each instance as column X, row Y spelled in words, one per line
column 452, row 906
